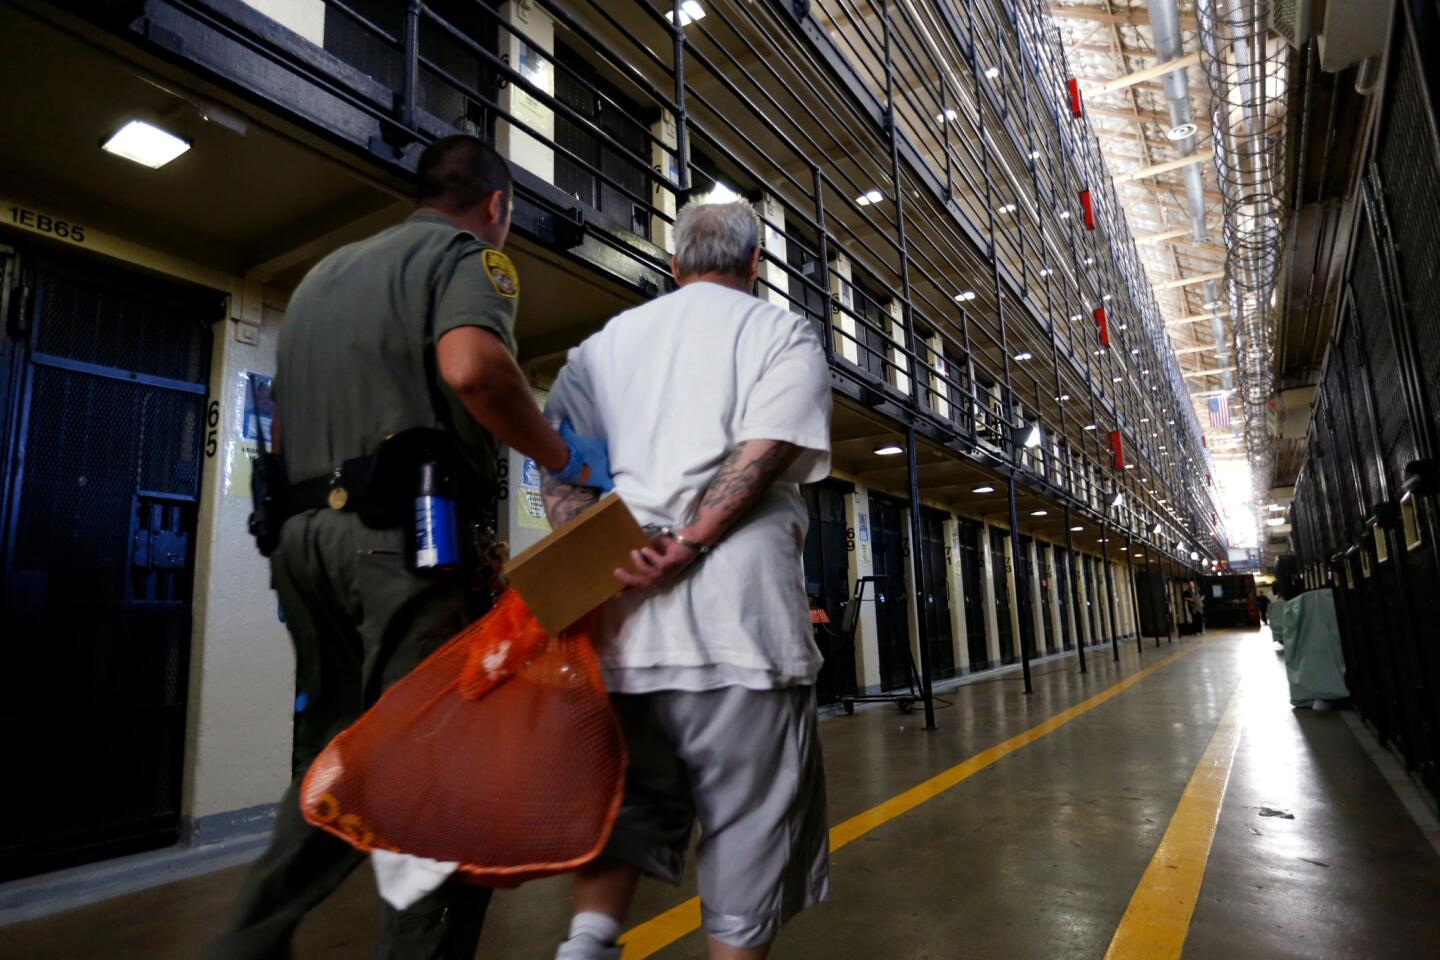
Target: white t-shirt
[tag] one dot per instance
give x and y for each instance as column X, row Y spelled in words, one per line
column 673, row 386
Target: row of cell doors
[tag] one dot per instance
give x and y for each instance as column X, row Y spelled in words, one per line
column 884, row 532
column 102, row 439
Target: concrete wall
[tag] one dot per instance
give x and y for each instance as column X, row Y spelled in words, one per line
column 242, row 667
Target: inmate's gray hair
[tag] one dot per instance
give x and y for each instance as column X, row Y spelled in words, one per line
column 715, row 238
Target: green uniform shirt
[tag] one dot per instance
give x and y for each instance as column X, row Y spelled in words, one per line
column 360, row 334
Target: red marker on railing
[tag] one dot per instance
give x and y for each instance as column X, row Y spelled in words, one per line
column 1102, row 326
column 1074, row 87
column 1088, row 206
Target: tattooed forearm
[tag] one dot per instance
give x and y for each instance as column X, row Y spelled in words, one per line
column 748, row 471
column 564, row 502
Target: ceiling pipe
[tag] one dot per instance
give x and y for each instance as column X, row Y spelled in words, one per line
column 1248, row 75
column 1165, row 32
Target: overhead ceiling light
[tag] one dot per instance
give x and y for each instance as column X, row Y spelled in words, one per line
column 1024, row 355
column 1089, row 426
column 1063, row 397
column 1089, row 260
column 869, row 197
column 992, row 72
column 1077, row 529
column 1046, row 271
column 1134, row 351
column 1129, row 466
column 145, row 144
column 1034, row 154
column 1181, row 131
column 1194, row 555
column 1064, row 214
column 1116, row 379
column 965, row 295
column 1106, row 297
column 1144, row 419
column 985, row 488
column 1139, row 554
column 1274, row 521
column 1037, row 513
column 947, row 115
column 1006, row 208
column 1275, row 506
column 1124, row 326
column 690, row 11
column 889, row 450
column 1076, row 318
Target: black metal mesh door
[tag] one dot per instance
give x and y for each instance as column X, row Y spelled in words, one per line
column 972, row 583
column 1000, row 569
column 936, row 592
column 892, row 606
column 100, row 497
column 827, row 581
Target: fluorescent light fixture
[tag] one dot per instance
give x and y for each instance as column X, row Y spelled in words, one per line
column 1006, row 208
column 1274, row 521
column 1134, row 351
column 1276, row 506
column 1144, row 479
column 1037, row 513
column 869, row 197
column 992, row 72
column 1063, row 397
column 1116, row 379
column 1129, row 466
column 1024, row 355
column 1046, row 271
column 690, row 11
column 1106, row 297
column 984, row 488
column 1139, row 554
column 1064, row 214
column 889, row 450
column 1144, row 419
column 1124, row 326
column 145, row 144
column 964, row 296
column 1089, row 426
column 1076, row 318
column 1077, row 529
column 949, row 114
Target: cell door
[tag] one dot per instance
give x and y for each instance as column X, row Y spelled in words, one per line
column 972, row 582
column 1063, row 595
column 103, row 440
column 1000, row 567
column 1045, row 587
column 892, row 602
column 936, row 593
column 827, row 582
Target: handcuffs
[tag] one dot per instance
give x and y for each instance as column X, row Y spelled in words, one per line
column 655, row 530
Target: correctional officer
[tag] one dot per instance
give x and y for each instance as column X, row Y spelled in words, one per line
column 411, row 328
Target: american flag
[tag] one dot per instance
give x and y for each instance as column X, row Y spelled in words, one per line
column 1219, row 411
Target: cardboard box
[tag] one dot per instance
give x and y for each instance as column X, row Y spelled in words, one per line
column 572, row 571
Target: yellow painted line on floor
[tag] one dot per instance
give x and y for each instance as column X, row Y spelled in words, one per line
column 1157, row 920
column 660, row 931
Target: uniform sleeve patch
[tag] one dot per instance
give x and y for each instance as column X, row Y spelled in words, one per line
column 502, row 274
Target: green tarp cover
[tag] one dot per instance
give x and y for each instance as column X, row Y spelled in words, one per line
column 1314, row 663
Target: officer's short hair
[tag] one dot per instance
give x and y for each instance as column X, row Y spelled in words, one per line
column 456, row 173
column 715, row 238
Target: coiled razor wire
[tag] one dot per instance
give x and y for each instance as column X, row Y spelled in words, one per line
column 1248, row 71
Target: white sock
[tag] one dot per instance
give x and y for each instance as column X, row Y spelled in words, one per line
column 597, row 926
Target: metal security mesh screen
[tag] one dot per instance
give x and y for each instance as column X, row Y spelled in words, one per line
column 1360, row 404
column 139, row 332
column 1409, row 162
column 1371, row 306
column 100, row 507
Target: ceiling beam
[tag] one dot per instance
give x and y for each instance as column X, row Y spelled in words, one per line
column 1187, row 281
column 1154, row 170
column 1136, row 17
column 1209, row 373
column 1095, row 89
column 1195, row 319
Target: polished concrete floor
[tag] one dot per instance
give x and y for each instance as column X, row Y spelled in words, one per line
column 1034, row 856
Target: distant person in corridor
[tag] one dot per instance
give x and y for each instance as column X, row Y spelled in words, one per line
column 715, row 405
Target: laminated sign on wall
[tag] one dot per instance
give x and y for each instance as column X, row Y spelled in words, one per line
column 529, row 505
column 254, row 412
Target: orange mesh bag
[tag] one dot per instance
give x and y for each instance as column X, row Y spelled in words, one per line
column 499, row 751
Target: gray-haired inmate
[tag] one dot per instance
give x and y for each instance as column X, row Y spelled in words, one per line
column 715, row 238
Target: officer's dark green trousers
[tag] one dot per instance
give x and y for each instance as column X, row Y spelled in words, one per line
column 359, row 621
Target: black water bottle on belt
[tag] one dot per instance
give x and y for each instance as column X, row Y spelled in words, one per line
column 435, row 546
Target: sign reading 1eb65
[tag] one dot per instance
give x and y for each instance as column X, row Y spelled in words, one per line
column 44, row 223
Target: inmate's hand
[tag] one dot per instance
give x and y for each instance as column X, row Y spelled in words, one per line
column 657, row 564
column 589, row 463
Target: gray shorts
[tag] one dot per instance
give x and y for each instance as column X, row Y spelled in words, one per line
column 746, row 765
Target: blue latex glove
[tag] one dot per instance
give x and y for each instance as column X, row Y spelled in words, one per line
column 589, row 464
